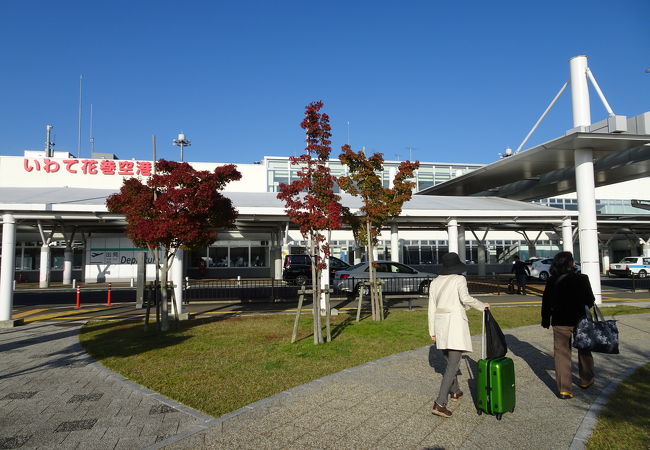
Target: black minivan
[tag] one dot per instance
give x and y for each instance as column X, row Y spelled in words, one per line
column 297, row 268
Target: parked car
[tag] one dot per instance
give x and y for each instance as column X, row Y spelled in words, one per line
column 542, row 268
column 396, row 277
column 297, row 268
column 636, row 266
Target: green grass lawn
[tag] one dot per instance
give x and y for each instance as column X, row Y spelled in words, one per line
column 220, row 365
column 625, row 420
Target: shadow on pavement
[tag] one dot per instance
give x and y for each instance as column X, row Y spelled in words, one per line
column 539, row 362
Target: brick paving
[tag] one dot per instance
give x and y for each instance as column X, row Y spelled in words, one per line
column 53, row 395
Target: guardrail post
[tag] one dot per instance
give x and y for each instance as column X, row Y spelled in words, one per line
column 78, row 304
column 108, row 296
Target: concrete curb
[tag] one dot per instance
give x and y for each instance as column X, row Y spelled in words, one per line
column 591, row 417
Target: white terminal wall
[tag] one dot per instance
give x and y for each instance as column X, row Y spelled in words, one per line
column 13, row 173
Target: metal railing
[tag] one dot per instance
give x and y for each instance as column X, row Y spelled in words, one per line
column 272, row 290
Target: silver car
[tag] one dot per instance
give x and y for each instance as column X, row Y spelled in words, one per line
column 542, row 268
column 395, row 277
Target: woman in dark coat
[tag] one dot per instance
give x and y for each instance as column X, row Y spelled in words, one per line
column 563, row 305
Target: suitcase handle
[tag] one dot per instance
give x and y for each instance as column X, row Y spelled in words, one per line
column 483, row 336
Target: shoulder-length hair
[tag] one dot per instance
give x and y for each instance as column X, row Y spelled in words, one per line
column 562, row 263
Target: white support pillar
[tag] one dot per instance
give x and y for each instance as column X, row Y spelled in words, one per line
column 452, row 233
column 275, row 256
column 7, row 271
column 177, row 277
column 462, row 251
column 285, row 242
column 44, row 268
column 395, row 254
column 585, row 186
column 579, row 91
column 605, row 258
column 357, row 254
column 567, row 235
column 67, row 265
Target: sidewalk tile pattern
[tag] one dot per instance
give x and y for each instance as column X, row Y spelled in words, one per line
column 53, row 395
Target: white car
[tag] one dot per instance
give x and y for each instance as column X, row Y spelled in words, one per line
column 542, row 268
column 636, row 266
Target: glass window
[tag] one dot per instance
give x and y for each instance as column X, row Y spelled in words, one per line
column 411, row 254
column 31, row 259
column 196, row 256
column 77, row 258
column 278, row 164
column 19, row 258
column 56, row 259
column 218, row 257
column 400, row 268
column 426, row 254
column 258, row 257
column 425, row 178
column 239, row 257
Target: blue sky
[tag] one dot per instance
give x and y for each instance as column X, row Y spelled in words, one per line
column 457, row 82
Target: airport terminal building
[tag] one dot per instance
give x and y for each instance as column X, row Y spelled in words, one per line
column 58, row 204
column 587, row 192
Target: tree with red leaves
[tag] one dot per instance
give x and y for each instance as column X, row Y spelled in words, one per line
column 178, row 207
column 310, row 201
column 380, row 204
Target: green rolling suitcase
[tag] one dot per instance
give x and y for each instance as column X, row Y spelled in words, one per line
column 495, row 386
column 495, row 383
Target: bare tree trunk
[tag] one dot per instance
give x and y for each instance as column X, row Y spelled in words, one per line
column 149, row 300
column 328, row 321
column 164, row 322
column 373, row 277
column 301, row 298
column 315, row 282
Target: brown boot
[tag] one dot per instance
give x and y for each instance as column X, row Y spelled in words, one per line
column 440, row 410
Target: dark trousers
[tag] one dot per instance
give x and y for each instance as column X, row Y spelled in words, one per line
column 562, row 353
column 449, row 382
column 521, row 283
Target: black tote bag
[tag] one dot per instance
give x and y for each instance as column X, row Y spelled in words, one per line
column 495, row 341
column 598, row 335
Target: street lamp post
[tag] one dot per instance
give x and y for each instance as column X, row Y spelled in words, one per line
column 181, row 141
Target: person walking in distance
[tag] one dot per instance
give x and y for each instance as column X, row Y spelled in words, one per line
column 448, row 325
column 522, row 272
column 563, row 305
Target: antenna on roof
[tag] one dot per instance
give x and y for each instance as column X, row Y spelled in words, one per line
column 48, row 141
column 92, row 139
column 410, row 148
column 348, row 132
column 79, row 125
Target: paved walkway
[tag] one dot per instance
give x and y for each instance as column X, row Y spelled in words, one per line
column 53, row 395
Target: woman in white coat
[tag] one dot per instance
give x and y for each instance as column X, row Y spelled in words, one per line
column 448, row 325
